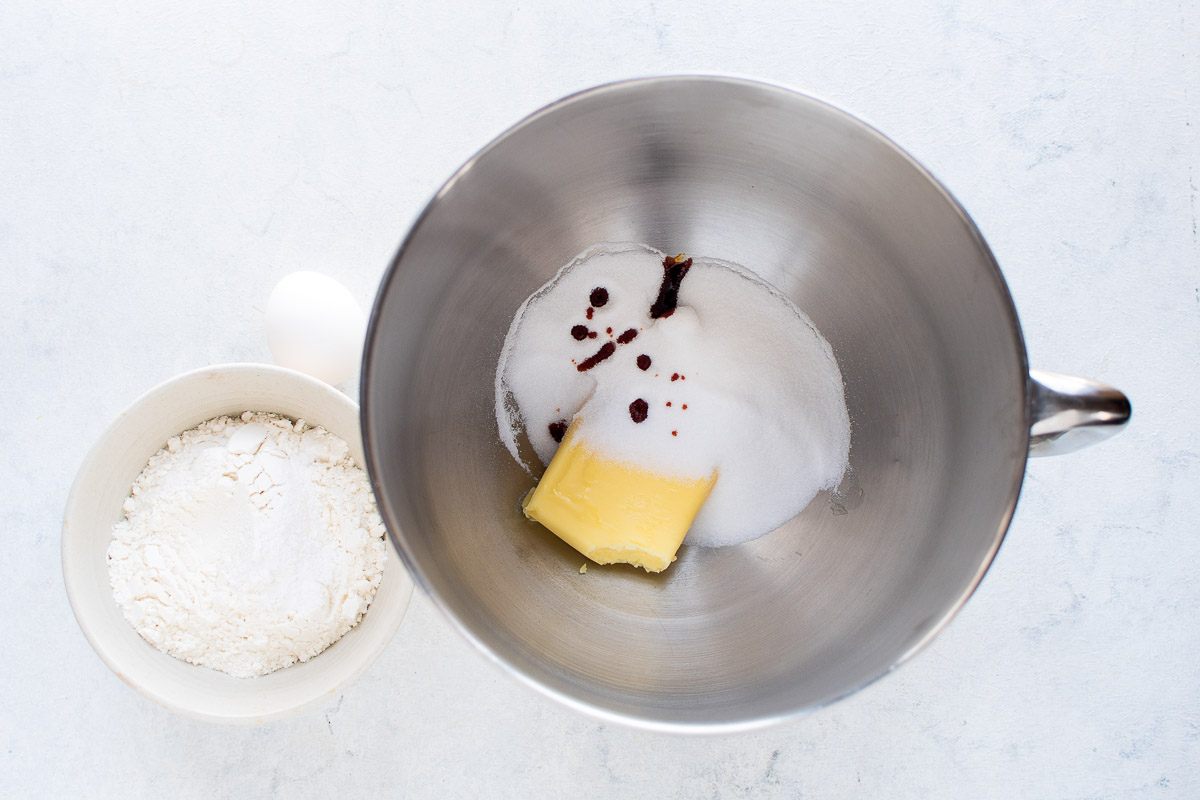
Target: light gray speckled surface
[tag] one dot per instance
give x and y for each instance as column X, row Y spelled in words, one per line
column 162, row 167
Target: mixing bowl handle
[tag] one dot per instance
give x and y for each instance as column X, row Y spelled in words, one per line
column 1069, row 413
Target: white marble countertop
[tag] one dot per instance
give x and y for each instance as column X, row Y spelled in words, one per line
column 163, row 166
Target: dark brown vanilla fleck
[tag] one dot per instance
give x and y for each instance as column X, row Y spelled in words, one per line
column 579, row 332
column 558, row 430
column 606, row 350
column 627, row 337
column 599, row 296
column 643, row 362
column 674, row 271
column 638, row 410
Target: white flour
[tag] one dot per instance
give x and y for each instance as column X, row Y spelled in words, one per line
column 247, row 545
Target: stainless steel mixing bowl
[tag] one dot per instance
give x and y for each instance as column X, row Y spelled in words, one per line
column 890, row 269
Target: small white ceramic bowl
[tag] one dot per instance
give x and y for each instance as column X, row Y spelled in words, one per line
column 103, row 483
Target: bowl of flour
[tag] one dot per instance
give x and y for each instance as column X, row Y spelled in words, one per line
column 221, row 548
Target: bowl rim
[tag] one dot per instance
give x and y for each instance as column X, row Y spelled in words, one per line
column 647, row 722
column 68, row 555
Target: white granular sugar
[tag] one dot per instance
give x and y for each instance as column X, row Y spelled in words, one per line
column 248, row 545
column 739, row 383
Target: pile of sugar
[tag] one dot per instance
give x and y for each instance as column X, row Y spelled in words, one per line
column 247, row 545
column 739, row 382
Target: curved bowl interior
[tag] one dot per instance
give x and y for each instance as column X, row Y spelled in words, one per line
column 893, row 274
column 103, row 483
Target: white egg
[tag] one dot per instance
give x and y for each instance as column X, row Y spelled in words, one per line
column 314, row 325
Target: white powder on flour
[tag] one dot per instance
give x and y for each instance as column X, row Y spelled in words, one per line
column 247, row 545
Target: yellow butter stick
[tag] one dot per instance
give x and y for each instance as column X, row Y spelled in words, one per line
column 613, row 512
